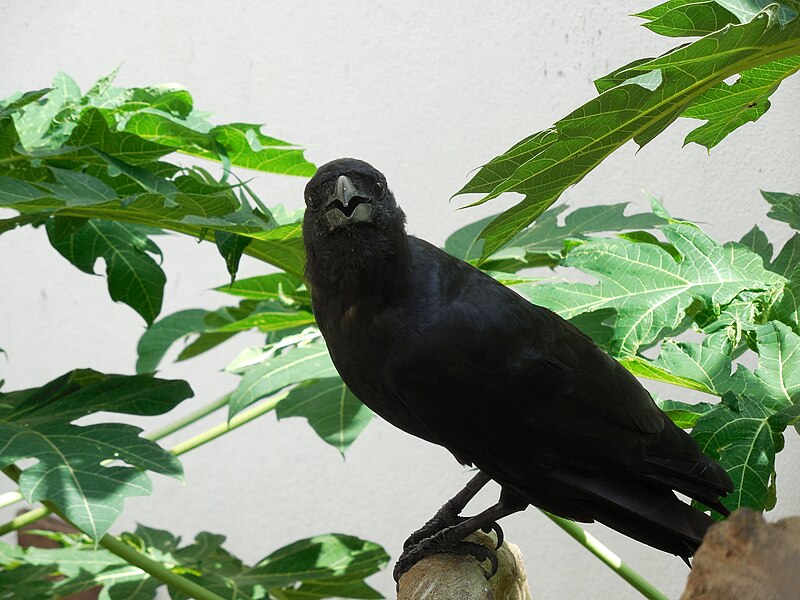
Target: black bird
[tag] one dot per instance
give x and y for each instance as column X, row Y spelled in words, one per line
column 446, row 353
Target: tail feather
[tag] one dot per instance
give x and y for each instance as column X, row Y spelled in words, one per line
column 653, row 515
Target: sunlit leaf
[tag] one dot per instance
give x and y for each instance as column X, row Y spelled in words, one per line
column 70, row 468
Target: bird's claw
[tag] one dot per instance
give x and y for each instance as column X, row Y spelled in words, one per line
column 498, row 531
column 480, row 552
column 433, row 545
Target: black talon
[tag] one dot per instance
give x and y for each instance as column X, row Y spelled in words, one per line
column 480, row 552
column 498, row 531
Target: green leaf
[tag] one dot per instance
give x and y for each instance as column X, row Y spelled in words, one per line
column 81, row 156
column 786, row 308
column 757, row 241
column 155, row 342
column 728, row 107
column 685, row 415
column 12, row 105
column 231, row 246
column 133, row 276
column 651, row 94
column 268, row 372
column 739, row 436
column 707, row 366
column 276, row 286
column 679, row 18
column 647, row 288
column 332, row 410
column 324, row 566
column 785, row 207
column 776, row 382
column 788, row 258
column 266, row 319
column 543, row 242
column 323, row 557
column 242, row 144
column 747, row 10
column 642, row 367
column 71, row 469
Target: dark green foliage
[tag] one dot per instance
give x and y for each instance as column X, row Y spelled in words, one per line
column 323, row 566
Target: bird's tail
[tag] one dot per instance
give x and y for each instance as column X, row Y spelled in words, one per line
column 653, row 515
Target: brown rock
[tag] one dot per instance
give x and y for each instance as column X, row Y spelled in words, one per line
column 454, row 577
column 747, row 558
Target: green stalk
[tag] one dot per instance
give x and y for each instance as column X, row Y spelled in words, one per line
column 223, row 428
column 189, row 419
column 190, row 444
column 156, row 569
column 10, row 498
column 614, row 562
column 24, row 519
column 132, row 556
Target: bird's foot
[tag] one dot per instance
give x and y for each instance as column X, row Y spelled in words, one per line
column 441, row 522
column 439, row 544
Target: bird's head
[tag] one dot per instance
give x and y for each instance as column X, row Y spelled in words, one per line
column 352, row 228
column 348, row 193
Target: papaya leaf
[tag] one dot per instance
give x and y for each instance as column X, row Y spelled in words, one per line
column 155, row 342
column 637, row 102
column 649, row 290
column 785, row 207
column 267, row 373
column 275, row 286
column 683, row 414
column 738, row 434
column 323, row 566
column 331, row 409
column 775, row 384
column 133, row 276
column 679, row 18
column 71, row 469
column 543, row 242
column 788, row 258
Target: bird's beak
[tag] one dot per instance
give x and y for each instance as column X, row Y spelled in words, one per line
column 348, row 204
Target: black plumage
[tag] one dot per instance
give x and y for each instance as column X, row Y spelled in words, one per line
column 446, row 353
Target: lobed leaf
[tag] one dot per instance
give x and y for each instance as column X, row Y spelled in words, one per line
column 637, row 102
column 738, row 434
column 133, row 276
column 681, row 18
column 543, row 242
column 648, row 290
column 331, row 409
column 278, row 371
column 324, row 566
column 71, row 468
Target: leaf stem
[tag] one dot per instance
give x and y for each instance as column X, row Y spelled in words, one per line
column 133, row 557
column 241, row 419
column 189, row 419
column 614, row 562
column 24, row 519
column 10, row 498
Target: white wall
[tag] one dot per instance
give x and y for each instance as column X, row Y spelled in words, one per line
column 426, row 92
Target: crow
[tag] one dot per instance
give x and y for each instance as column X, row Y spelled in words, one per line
column 446, row 353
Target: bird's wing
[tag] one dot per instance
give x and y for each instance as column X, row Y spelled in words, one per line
column 484, row 369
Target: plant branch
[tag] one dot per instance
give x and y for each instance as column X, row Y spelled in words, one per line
column 614, row 562
column 132, row 556
column 241, row 419
column 10, row 498
column 188, row 419
column 24, row 519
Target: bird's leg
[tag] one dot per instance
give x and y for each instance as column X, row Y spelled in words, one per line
column 449, row 513
column 450, row 539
